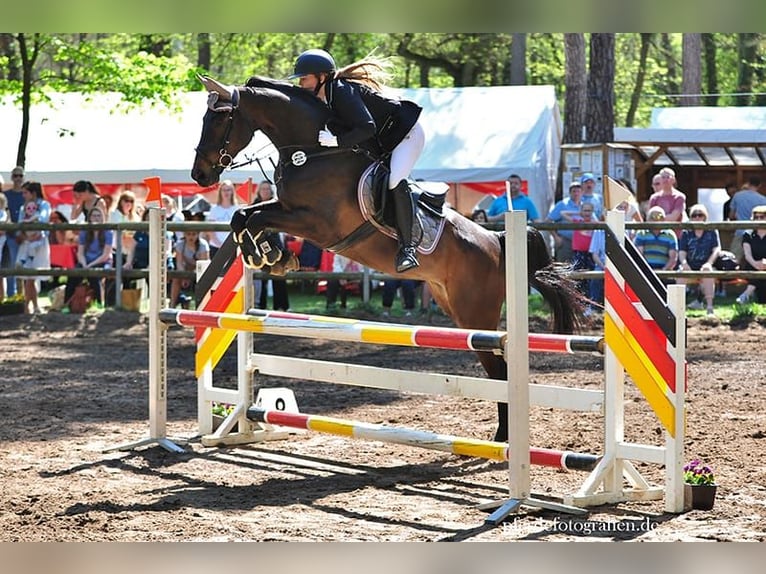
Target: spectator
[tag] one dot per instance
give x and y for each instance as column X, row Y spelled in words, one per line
column 3, row 219
column 741, row 209
column 697, row 251
column 519, row 202
column 598, row 248
column 558, row 213
column 86, row 198
column 140, row 253
column 61, row 236
column 589, row 195
column 731, row 189
column 281, row 298
column 172, row 213
column 34, row 250
column 390, row 287
column 93, row 252
column 629, row 207
column 659, row 246
column 340, row 264
column 581, row 257
column 189, row 250
column 222, row 210
column 479, row 216
column 15, row 202
column 671, row 200
column 125, row 213
column 754, row 248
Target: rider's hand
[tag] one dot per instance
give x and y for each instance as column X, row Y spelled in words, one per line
column 327, row 139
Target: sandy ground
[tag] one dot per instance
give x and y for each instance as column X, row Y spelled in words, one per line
column 75, row 385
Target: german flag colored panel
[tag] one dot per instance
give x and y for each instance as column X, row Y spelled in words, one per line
column 221, row 297
column 211, row 349
column 654, row 347
column 636, row 367
column 224, row 259
column 653, row 300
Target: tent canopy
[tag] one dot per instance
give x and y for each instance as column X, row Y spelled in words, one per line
column 701, row 136
column 474, row 134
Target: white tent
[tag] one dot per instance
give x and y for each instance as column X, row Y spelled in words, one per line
column 475, row 134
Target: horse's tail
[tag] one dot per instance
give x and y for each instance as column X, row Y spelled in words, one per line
column 552, row 281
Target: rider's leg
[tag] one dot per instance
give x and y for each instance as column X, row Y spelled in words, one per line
column 406, row 257
column 403, row 158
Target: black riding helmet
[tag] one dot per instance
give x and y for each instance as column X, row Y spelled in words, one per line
column 313, row 61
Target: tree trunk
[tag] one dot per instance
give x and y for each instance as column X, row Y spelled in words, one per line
column 691, row 86
column 518, row 59
column 747, row 49
column 599, row 116
column 638, row 87
column 203, row 50
column 670, row 61
column 575, row 82
column 28, row 59
column 711, row 71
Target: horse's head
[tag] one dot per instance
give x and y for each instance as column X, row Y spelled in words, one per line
column 289, row 116
column 224, row 133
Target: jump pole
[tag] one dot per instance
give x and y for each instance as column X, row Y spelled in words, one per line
column 321, row 327
column 564, row 460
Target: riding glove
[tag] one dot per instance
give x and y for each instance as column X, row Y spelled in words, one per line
column 327, row 139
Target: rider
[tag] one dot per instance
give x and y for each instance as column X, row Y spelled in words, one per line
column 361, row 114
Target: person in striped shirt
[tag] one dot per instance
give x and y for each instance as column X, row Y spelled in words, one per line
column 659, row 246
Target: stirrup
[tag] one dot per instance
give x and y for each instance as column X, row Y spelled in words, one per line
column 406, row 259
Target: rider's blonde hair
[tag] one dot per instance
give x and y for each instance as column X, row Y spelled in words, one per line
column 371, row 71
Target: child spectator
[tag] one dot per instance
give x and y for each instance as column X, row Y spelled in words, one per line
column 34, row 252
column 189, row 250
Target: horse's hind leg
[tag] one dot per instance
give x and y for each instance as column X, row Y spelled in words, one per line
column 497, row 368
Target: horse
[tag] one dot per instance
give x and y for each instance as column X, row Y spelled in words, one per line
column 317, row 200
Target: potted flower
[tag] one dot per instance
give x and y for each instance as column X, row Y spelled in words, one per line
column 220, row 412
column 13, row 305
column 699, row 485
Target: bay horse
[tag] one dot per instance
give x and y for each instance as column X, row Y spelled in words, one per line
column 317, row 200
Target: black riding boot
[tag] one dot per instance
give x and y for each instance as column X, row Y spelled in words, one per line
column 406, row 257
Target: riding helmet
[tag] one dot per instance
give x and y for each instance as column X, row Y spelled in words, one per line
column 313, row 61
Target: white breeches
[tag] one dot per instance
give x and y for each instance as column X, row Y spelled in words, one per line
column 406, row 154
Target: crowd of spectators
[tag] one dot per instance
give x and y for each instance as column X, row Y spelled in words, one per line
column 665, row 249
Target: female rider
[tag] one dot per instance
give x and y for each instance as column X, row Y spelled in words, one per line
column 363, row 116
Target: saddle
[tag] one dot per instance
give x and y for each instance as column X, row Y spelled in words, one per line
column 377, row 207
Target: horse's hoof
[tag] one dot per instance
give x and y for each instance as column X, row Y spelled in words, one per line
column 501, row 435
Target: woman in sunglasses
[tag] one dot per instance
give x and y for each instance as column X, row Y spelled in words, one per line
column 697, row 251
column 754, row 247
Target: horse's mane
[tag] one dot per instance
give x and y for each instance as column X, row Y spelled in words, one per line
column 290, row 90
column 296, row 94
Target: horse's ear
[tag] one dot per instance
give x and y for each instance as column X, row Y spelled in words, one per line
column 211, row 85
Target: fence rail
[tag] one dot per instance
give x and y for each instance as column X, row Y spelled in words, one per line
column 119, row 274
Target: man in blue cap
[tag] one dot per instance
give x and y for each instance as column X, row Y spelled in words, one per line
column 588, row 184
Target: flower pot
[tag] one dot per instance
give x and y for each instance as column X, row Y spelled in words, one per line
column 16, row 308
column 700, row 496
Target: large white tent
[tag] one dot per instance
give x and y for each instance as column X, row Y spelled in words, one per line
column 474, row 134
